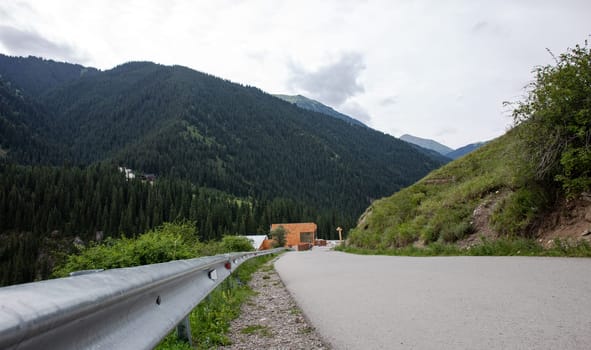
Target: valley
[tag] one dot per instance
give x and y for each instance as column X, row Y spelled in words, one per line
column 206, row 140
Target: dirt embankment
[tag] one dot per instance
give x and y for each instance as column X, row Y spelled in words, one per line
column 570, row 221
column 481, row 219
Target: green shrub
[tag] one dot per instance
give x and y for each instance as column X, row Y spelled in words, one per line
column 453, row 231
column 514, row 215
column 429, row 235
column 171, row 241
column 236, row 244
column 407, row 233
column 278, row 235
column 555, row 121
column 165, row 243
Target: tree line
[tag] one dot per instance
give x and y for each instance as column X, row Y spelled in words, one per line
column 43, row 209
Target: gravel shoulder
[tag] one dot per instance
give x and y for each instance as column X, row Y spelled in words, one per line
column 271, row 319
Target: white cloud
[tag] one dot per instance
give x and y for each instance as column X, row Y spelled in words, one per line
column 388, row 101
column 333, row 83
column 25, row 43
column 355, row 110
column 402, row 62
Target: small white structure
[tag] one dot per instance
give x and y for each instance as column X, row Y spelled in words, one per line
column 257, row 240
column 129, row 175
column 333, row 243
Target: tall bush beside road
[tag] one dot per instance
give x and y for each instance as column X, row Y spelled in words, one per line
column 556, row 121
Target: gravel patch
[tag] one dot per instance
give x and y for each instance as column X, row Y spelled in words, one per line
column 271, row 319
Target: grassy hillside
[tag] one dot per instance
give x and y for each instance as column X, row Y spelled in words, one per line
column 441, row 205
column 481, row 204
column 486, row 194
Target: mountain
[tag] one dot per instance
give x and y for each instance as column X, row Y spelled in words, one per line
column 23, row 129
column 36, row 75
column 427, row 143
column 315, row 106
column 462, row 151
column 442, row 149
column 179, row 123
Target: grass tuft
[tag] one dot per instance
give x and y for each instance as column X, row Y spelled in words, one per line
column 210, row 320
column 258, row 329
column 499, row 247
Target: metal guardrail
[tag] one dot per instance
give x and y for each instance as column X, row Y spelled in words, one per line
column 127, row 308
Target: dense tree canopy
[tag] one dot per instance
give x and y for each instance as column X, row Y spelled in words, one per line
column 43, row 209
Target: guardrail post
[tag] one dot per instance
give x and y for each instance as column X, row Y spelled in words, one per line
column 183, row 331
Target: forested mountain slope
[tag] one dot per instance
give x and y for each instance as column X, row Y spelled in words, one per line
column 174, row 121
column 230, row 159
column 24, row 136
column 44, row 209
column 34, row 75
column 315, row 106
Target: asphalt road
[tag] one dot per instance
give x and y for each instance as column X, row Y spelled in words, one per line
column 379, row 302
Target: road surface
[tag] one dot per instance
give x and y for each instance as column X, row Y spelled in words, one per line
column 381, row 302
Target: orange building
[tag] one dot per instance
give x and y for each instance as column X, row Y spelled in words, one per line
column 298, row 233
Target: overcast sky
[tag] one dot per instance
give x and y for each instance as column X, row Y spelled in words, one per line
column 438, row 69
